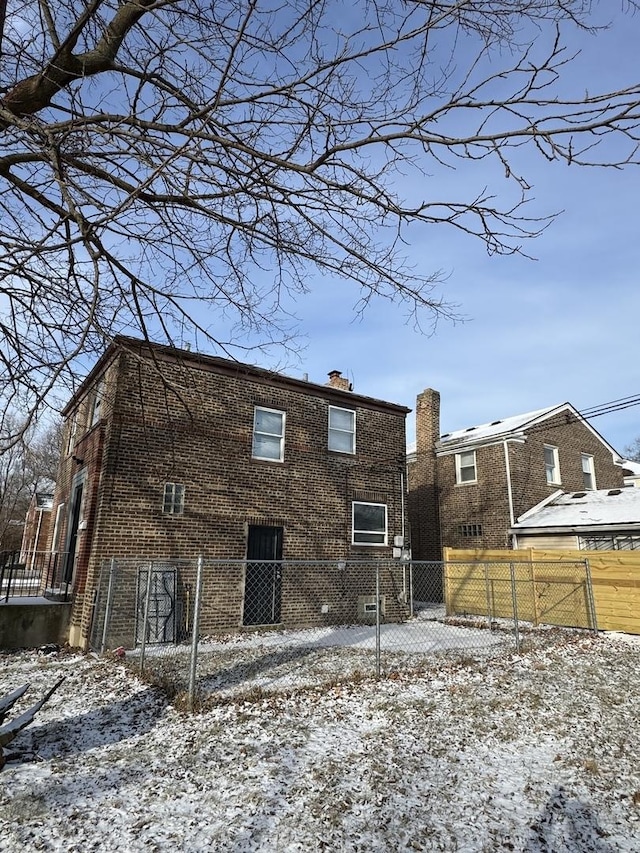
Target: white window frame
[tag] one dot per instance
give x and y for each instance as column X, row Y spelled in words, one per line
column 588, row 471
column 272, row 435
column 173, row 499
column 460, row 468
column 97, row 401
column 552, row 472
column 382, row 532
column 73, row 431
column 333, row 430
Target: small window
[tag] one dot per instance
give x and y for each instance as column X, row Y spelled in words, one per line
column 551, row 464
column 173, row 499
column 466, row 467
column 73, row 430
column 470, row 530
column 369, row 524
column 588, row 472
column 268, row 434
column 97, row 402
column 342, row 430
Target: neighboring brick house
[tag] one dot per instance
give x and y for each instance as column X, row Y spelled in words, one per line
column 175, row 454
column 37, row 528
column 467, row 488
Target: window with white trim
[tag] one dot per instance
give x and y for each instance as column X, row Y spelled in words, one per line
column 552, row 464
column 268, row 434
column 73, row 430
column 588, row 471
column 369, row 523
column 173, row 501
column 97, row 402
column 342, row 430
column 466, row 467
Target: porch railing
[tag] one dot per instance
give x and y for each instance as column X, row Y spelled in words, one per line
column 39, row 574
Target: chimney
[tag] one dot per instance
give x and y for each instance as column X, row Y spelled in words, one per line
column 427, row 421
column 337, row 380
column 423, row 500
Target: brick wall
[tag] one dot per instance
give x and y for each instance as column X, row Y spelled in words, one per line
column 190, row 422
column 487, row 502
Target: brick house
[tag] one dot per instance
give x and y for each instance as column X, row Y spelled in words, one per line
column 175, row 454
column 467, row 488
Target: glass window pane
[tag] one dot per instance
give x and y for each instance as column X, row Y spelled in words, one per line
column 369, row 517
column 270, row 422
column 341, row 419
column 266, row 446
column 341, row 441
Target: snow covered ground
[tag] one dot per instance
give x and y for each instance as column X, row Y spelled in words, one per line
column 532, row 752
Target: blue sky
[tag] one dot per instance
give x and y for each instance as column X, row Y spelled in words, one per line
column 563, row 327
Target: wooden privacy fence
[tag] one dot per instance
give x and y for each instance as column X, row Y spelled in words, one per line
column 551, row 586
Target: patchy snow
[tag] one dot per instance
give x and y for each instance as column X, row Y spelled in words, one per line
column 578, row 509
column 533, row 752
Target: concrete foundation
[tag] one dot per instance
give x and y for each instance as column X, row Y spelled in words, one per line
column 31, row 624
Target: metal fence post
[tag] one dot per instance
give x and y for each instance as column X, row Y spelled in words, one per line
column 108, row 605
column 488, row 592
column 590, row 598
column 377, row 620
column 145, row 618
column 195, row 635
column 514, row 599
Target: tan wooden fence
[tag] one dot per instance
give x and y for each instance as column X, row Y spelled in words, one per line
column 550, row 586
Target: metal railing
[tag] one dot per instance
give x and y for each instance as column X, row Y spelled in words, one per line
column 38, row 574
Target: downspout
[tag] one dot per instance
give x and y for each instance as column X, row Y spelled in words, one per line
column 508, row 472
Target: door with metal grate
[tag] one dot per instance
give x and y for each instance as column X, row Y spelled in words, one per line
column 263, row 577
column 159, row 602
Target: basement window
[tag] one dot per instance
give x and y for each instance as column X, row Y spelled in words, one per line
column 173, row 502
column 468, row 531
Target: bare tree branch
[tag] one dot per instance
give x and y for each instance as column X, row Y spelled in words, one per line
column 167, row 165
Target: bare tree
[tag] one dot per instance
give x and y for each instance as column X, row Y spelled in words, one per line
column 632, row 451
column 27, row 466
column 162, row 159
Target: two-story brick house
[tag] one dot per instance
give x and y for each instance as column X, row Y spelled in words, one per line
column 174, row 454
column 467, row 488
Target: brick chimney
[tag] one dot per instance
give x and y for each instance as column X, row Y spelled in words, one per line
column 423, row 503
column 337, row 380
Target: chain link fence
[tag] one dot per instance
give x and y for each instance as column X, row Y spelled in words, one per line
column 219, row 630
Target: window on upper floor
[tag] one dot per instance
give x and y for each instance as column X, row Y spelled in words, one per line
column 268, row 434
column 173, row 499
column 342, row 430
column 98, row 399
column 73, row 431
column 466, row 467
column 552, row 464
column 588, row 471
column 369, row 523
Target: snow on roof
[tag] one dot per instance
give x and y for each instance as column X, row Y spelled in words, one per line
column 505, row 426
column 581, row 509
column 633, row 467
